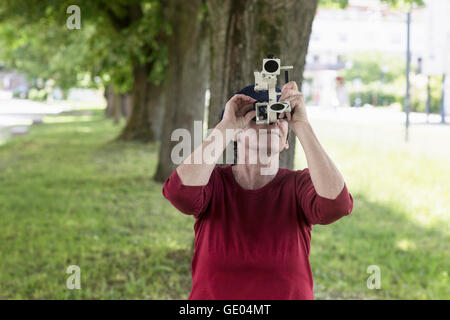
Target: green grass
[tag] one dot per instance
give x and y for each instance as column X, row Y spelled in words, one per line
column 70, row 194
column 401, row 214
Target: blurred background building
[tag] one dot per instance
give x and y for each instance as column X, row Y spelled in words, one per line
column 342, row 37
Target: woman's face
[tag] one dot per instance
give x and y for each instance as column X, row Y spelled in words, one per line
column 271, row 138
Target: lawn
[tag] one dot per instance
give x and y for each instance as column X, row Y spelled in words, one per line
column 401, row 216
column 71, row 195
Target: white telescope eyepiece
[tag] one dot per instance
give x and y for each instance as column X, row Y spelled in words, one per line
column 268, row 112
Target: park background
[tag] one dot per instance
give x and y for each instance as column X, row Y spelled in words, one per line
column 86, row 115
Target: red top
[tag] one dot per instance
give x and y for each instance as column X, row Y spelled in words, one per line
column 254, row 244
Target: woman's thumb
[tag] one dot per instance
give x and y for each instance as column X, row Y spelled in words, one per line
column 250, row 115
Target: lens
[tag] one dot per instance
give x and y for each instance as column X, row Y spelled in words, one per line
column 277, row 107
column 262, row 112
column 271, row 66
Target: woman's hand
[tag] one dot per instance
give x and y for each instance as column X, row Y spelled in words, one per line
column 237, row 112
column 290, row 93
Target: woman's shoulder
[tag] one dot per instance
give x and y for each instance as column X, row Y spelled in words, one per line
column 294, row 173
column 295, row 177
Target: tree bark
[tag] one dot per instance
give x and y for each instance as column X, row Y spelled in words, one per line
column 109, row 97
column 187, row 77
column 144, row 94
column 126, row 105
column 113, row 104
column 253, row 29
column 117, row 104
column 299, row 16
column 228, row 50
column 140, row 122
column 157, row 114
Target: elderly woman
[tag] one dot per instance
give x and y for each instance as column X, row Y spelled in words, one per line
column 253, row 226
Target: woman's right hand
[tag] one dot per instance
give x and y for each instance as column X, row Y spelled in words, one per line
column 237, row 112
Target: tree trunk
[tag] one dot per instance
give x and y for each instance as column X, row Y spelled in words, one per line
column 126, row 105
column 113, row 104
column 300, row 16
column 117, row 104
column 187, row 78
column 109, row 97
column 227, row 49
column 229, row 72
column 140, row 122
column 254, row 29
column 157, row 114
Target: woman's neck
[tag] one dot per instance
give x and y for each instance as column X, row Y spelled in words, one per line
column 255, row 176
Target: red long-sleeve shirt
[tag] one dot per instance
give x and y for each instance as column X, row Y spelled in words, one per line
column 254, row 244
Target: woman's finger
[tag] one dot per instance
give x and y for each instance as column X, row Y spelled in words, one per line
column 242, row 97
column 290, row 93
column 249, row 116
column 291, row 85
column 293, row 98
column 244, row 108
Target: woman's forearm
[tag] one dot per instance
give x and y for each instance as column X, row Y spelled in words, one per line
column 197, row 168
column 325, row 176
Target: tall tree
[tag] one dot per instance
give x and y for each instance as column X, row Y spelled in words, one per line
column 136, row 29
column 187, row 76
column 145, row 27
column 127, row 50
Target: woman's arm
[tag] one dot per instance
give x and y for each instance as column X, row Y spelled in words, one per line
column 325, row 176
column 197, row 174
column 197, row 168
